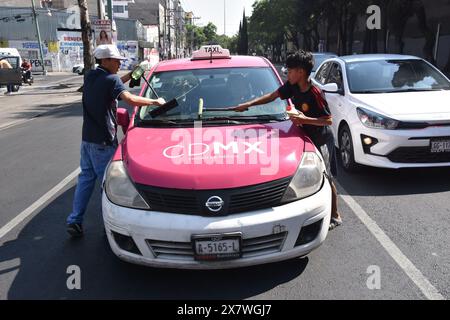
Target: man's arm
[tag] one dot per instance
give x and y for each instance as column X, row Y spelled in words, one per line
column 258, row 101
column 135, row 100
column 126, row 77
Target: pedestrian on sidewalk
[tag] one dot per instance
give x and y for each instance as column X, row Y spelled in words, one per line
column 102, row 88
column 313, row 115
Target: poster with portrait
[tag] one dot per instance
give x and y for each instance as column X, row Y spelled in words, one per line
column 103, row 32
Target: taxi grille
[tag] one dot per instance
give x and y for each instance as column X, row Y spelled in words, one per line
column 192, row 202
column 417, row 155
column 251, row 247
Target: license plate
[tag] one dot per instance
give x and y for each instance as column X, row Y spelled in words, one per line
column 217, row 247
column 439, row 146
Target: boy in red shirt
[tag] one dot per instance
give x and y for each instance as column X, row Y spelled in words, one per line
column 314, row 115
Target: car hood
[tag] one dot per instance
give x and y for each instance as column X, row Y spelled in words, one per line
column 227, row 157
column 409, row 106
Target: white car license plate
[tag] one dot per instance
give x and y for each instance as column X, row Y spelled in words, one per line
column 438, row 146
column 217, row 247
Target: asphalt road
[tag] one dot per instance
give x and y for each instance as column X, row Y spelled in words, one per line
column 410, row 207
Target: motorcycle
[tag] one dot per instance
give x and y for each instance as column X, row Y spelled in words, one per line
column 27, row 78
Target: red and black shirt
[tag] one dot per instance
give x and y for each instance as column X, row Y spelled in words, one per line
column 313, row 105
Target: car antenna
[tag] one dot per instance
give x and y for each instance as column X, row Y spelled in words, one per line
column 211, row 54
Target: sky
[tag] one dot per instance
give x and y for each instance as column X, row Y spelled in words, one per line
column 213, row 11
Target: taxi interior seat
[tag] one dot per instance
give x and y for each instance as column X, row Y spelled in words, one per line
column 238, row 89
column 211, row 90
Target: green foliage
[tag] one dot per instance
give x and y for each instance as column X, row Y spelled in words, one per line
column 199, row 36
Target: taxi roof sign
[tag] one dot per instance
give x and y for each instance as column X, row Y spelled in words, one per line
column 211, row 52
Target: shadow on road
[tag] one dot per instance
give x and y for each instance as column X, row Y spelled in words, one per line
column 58, row 110
column 45, row 253
column 390, row 182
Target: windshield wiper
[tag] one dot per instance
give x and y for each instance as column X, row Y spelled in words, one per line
column 413, row 90
column 367, row 91
column 161, row 122
column 264, row 117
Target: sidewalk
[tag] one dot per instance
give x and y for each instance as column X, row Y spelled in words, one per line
column 53, row 92
column 48, row 93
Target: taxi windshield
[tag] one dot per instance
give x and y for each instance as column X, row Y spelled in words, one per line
column 214, row 92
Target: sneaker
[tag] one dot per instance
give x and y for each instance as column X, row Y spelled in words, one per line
column 75, row 229
column 335, row 222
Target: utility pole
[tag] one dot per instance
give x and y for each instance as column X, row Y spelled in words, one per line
column 110, row 10
column 436, row 45
column 39, row 37
column 170, row 24
column 101, row 9
column 224, row 18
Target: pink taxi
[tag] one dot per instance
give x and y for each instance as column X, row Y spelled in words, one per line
column 199, row 186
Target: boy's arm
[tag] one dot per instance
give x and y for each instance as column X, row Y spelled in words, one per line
column 300, row 118
column 258, row 101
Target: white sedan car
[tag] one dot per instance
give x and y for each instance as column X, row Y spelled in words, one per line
column 79, row 68
column 389, row 111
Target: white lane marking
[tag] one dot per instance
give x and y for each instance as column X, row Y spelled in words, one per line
column 405, row 264
column 39, row 204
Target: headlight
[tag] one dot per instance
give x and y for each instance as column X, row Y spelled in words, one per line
column 308, row 178
column 119, row 188
column 374, row 120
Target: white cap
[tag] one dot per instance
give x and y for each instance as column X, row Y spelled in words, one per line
column 105, row 51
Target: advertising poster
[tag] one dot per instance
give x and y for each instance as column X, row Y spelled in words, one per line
column 102, row 31
column 70, row 49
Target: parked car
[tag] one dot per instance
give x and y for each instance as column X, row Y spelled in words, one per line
column 79, row 68
column 201, row 186
column 389, row 111
column 11, row 76
column 7, row 52
column 319, row 57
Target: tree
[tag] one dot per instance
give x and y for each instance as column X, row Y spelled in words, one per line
column 210, row 32
column 244, row 36
column 195, row 36
column 198, row 36
column 271, row 25
column 86, row 36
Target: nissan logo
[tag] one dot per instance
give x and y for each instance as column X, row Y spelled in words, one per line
column 214, row 204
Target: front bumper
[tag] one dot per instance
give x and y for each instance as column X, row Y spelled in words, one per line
column 399, row 148
column 278, row 226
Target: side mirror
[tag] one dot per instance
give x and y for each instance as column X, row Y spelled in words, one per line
column 332, row 88
column 123, row 119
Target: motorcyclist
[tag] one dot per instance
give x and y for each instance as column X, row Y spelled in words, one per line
column 26, row 69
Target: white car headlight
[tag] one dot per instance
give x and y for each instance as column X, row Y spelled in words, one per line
column 376, row 121
column 119, row 188
column 307, row 180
